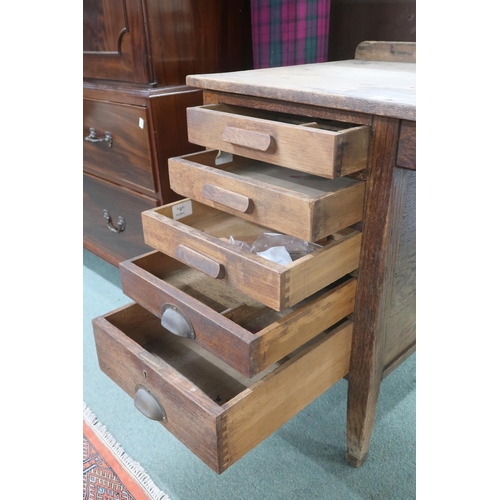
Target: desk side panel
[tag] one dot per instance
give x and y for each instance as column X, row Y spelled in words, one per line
column 400, row 333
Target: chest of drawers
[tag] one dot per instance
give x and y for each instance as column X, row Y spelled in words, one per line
column 129, row 134
column 136, row 56
column 222, row 346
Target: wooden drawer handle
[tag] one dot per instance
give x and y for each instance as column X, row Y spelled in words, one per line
column 247, row 138
column 200, row 262
column 227, row 198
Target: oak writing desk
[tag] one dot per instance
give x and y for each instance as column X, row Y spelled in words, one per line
column 222, row 346
column 382, row 94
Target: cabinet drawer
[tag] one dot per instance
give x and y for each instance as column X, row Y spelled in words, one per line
column 218, row 414
column 201, row 241
column 239, row 330
column 99, row 195
column 126, row 157
column 319, row 147
column 301, row 205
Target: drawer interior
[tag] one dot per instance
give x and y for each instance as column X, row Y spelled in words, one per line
column 274, row 116
column 218, row 381
column 241, row 309
column 201, row 238
column 308, row 185
column 218, row 413
column 223, row 226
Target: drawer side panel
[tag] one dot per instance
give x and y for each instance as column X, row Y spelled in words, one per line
column 270, row 403
column 322, row 268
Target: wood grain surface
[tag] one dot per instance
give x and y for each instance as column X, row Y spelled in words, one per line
column 128, row 162
column 400, row 334
column 215, row 412
column 267, row 405
column 323, row 149
column 161, row 41
column 377, row 258
column 387, row 51
column 207, row 231
column 374, row 87
column 116, row 247
column 407, row 147
column 246, row 335
column 300, row 205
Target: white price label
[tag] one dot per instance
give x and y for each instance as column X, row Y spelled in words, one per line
column 223, row 157
column 182, row 210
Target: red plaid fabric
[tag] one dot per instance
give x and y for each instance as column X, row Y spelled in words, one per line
column 289, row 32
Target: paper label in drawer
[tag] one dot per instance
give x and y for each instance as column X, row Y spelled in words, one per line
column 182, row 210
column 223, row 157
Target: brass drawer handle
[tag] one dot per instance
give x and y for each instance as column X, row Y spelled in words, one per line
column 200, row 262
column 227, row 198
column 176, row 322
column 113, row 229
column 148, row 405
column 247, row 138
column 92, row 137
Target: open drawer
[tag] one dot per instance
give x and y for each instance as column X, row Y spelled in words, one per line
column 201, row 241
column 218, row 414
column 301, row 205
column 242, row 332
column 319, row 147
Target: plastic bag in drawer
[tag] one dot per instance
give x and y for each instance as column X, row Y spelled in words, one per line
column 277, row 247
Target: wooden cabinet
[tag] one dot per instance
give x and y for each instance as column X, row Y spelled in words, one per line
column 128, row 136
column 136, row 55
column 161, row 41
column 223, row 346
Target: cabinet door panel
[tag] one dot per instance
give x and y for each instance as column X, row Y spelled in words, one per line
column 114, row 43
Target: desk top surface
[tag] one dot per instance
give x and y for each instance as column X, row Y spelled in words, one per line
column 373, row 87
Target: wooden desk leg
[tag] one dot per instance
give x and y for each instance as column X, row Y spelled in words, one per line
column 373, row 291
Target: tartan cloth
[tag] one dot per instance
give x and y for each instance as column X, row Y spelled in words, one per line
column 289, row 32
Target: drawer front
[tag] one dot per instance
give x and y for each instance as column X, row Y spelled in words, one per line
column 114, row 241
column 301, row 205
column 201, row 241
column 238, row 330
column 215, row 412
column 125, row 156
column 313, row 146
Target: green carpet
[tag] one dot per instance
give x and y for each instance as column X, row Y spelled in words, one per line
column 303, row 460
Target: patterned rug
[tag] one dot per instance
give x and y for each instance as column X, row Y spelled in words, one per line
column 108, row 472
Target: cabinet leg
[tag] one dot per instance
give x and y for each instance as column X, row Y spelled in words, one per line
column 378, row 251
column 361, row 408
